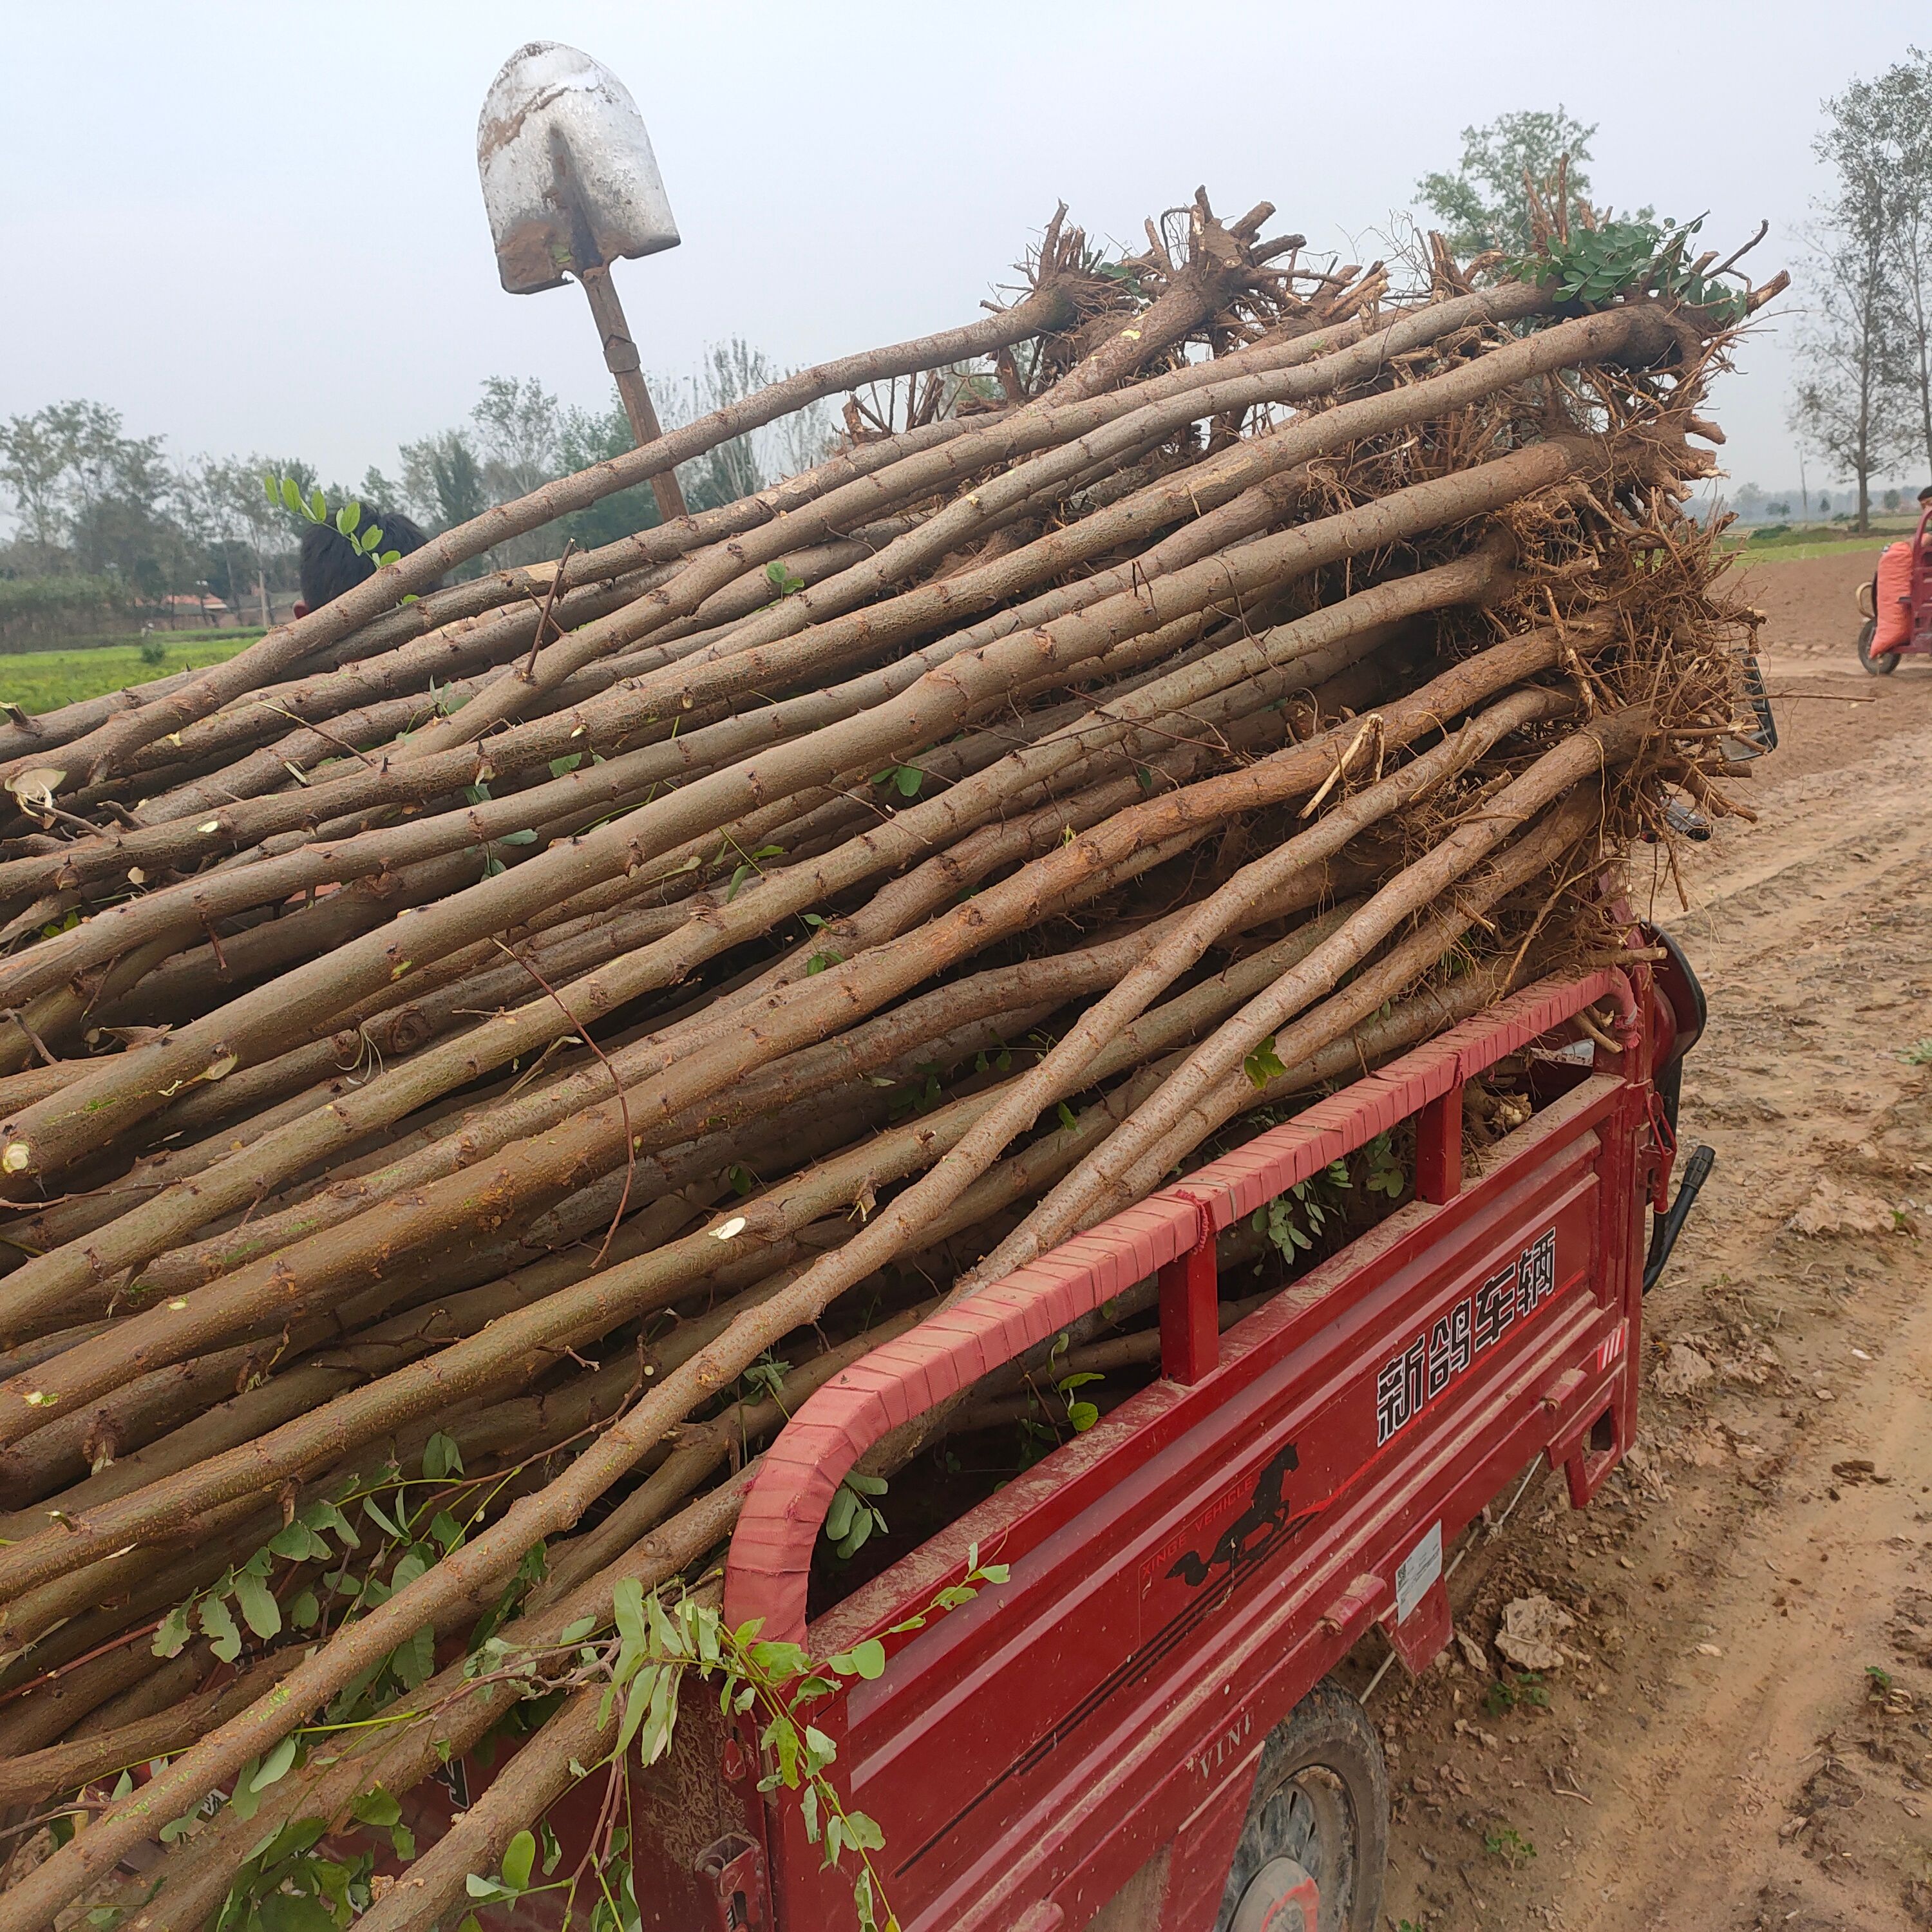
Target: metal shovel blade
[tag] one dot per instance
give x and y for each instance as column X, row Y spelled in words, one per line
column 568, row 177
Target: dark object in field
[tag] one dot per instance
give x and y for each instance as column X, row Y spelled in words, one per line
column 331, row 564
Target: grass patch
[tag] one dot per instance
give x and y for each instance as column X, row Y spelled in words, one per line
column 1797, row 553
column 1792, row 544
column 45, row 680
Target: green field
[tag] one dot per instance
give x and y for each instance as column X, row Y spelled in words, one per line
column 1795, row 544
column 44, row 680
column 1796, row 553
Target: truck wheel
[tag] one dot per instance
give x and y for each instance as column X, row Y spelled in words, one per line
column 1885, row 662
column 1311, row 1855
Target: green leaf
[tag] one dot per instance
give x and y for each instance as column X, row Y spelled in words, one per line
column 661, row 1720
column 326, row 1515
column 1066, row 1116
column 664, row 1633
column 868, row 1486
column 318, row 506
column 414, row 1658
column 292, row 496
column 524, row 837
column 838, row 1517
column 224, row 1640
column 627, row 1607
column 376, row 1806
column 369, row 541
column 276, row 1764
column 866, row 1660
column 638, row 1704
column 296, row 1539
column 553, row 1851
column 172, row 1637
column 1082, row 1415
column 563, row 767
column 269, row 484
column 347, row 517
column 862, row 1832
column 1264, row 1064
column 909, row 778
column 441, row 1456
column 820, row 960
column 259, row 1606
column 175, row 1829
column 446, row 1529
column 291, row 1912
column 519, row 1855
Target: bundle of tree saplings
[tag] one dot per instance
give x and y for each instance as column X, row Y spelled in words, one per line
column 476, row 1060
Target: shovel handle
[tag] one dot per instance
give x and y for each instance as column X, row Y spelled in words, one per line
column 620, row 357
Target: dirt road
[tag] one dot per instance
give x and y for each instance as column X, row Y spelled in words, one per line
column 1741, row 1736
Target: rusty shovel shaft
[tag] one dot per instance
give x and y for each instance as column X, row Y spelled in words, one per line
column 620, row 357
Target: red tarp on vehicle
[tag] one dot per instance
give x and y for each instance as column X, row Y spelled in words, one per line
column 1893, row 602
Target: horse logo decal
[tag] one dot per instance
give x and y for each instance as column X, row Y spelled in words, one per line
column 1265, row 1516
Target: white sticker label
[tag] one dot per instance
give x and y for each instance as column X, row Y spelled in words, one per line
column 1416, row 1572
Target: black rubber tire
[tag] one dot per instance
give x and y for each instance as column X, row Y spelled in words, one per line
column 1886, row 663
column 1321, row 1797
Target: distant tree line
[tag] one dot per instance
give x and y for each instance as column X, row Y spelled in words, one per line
column 109, row 531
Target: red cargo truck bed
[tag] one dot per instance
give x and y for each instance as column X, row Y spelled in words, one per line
column 1106, row 1738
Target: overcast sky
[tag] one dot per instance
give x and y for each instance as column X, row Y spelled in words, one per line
column 253, row 227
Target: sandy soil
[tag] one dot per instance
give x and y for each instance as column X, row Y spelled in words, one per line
column 1742, row 1737
column 1811, row 606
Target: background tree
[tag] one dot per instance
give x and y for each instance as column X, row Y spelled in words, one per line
column 95, row 502
column 228, row 494
column 31, row 465
column 1896, row 108
column 1482, row 205
column 595, row 435
column 1853, row 347
column 731, row 371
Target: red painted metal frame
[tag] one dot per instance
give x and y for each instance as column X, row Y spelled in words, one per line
column 1185, row 1571
column 770, row 1564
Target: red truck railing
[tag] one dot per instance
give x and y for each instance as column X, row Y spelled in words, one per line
column 1184, row 1573
column 1171, row 1233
